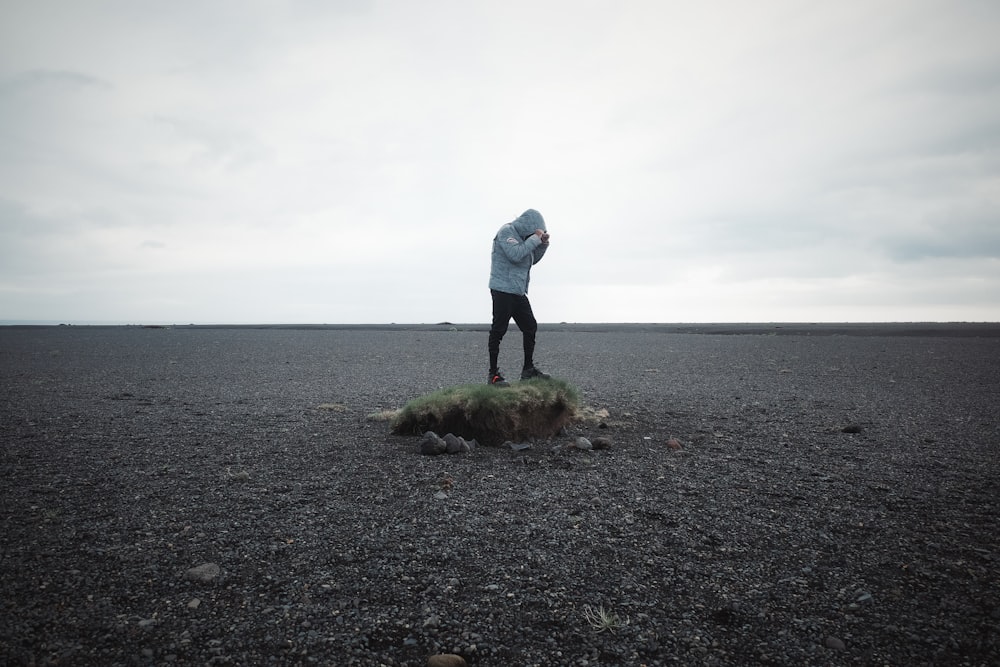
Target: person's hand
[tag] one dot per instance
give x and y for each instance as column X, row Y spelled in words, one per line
column 543, row 235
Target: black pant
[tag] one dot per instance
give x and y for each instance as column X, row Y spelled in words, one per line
column 506, row 306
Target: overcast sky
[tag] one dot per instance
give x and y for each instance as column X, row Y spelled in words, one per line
column 350, row 160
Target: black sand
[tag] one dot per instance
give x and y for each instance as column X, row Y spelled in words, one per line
column 131, row 455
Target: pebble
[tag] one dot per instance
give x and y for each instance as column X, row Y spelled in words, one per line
column 583, row 443
column 601, row 442
column 194, row 604
column 836, row 643
column 446, row 660
column 204, row 573
column 674, row 443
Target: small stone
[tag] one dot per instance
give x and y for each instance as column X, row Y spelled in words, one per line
column 194, row 604
column 441, row 495
column 583, row 443
column 852, row 428
column 674, row 444
column 601, row 442
column 147, row 622
column 203, row 573
column 836, row 643
column 446, row 660
column 432, row 445
column 452, row 444
column 432, row 621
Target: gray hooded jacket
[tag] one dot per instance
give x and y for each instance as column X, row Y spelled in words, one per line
column 515, row 250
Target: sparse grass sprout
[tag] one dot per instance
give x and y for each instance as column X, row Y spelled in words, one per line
column 601, row 619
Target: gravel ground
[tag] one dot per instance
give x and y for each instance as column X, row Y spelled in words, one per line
column 132, row 455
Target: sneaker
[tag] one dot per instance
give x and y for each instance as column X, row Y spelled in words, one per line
column 532, row 372
column 496, row 380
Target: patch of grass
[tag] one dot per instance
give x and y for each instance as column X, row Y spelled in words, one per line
column 528, row 409
column 382, row 416
column 601, row 619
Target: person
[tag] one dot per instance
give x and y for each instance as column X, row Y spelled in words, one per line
column 517, row 247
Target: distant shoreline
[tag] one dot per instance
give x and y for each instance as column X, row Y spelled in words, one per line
column 926, row 329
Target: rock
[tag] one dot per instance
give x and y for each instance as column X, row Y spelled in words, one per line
column 851, row 428
column 194, row 604
column 517, row 446
column 601, row 442
column 203, row 573
column 432, row 445
column 446, row 660
column 836, row 643
column 441, row 495
column 583, row 443
column 453, row 444
column 674, row 444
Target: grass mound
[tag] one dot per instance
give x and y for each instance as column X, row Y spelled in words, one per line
column 492, row 415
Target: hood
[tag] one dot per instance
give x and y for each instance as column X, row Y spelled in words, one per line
column 528, row 222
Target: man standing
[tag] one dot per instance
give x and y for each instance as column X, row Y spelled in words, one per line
column 516, row 247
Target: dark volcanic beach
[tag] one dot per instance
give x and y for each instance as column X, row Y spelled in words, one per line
column 201, row 495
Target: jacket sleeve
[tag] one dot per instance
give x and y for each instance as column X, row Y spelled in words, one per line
column 539, row 252
column 515, row 248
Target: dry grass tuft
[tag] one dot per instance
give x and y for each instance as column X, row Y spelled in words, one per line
column 601, row 619
column 383, row 416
